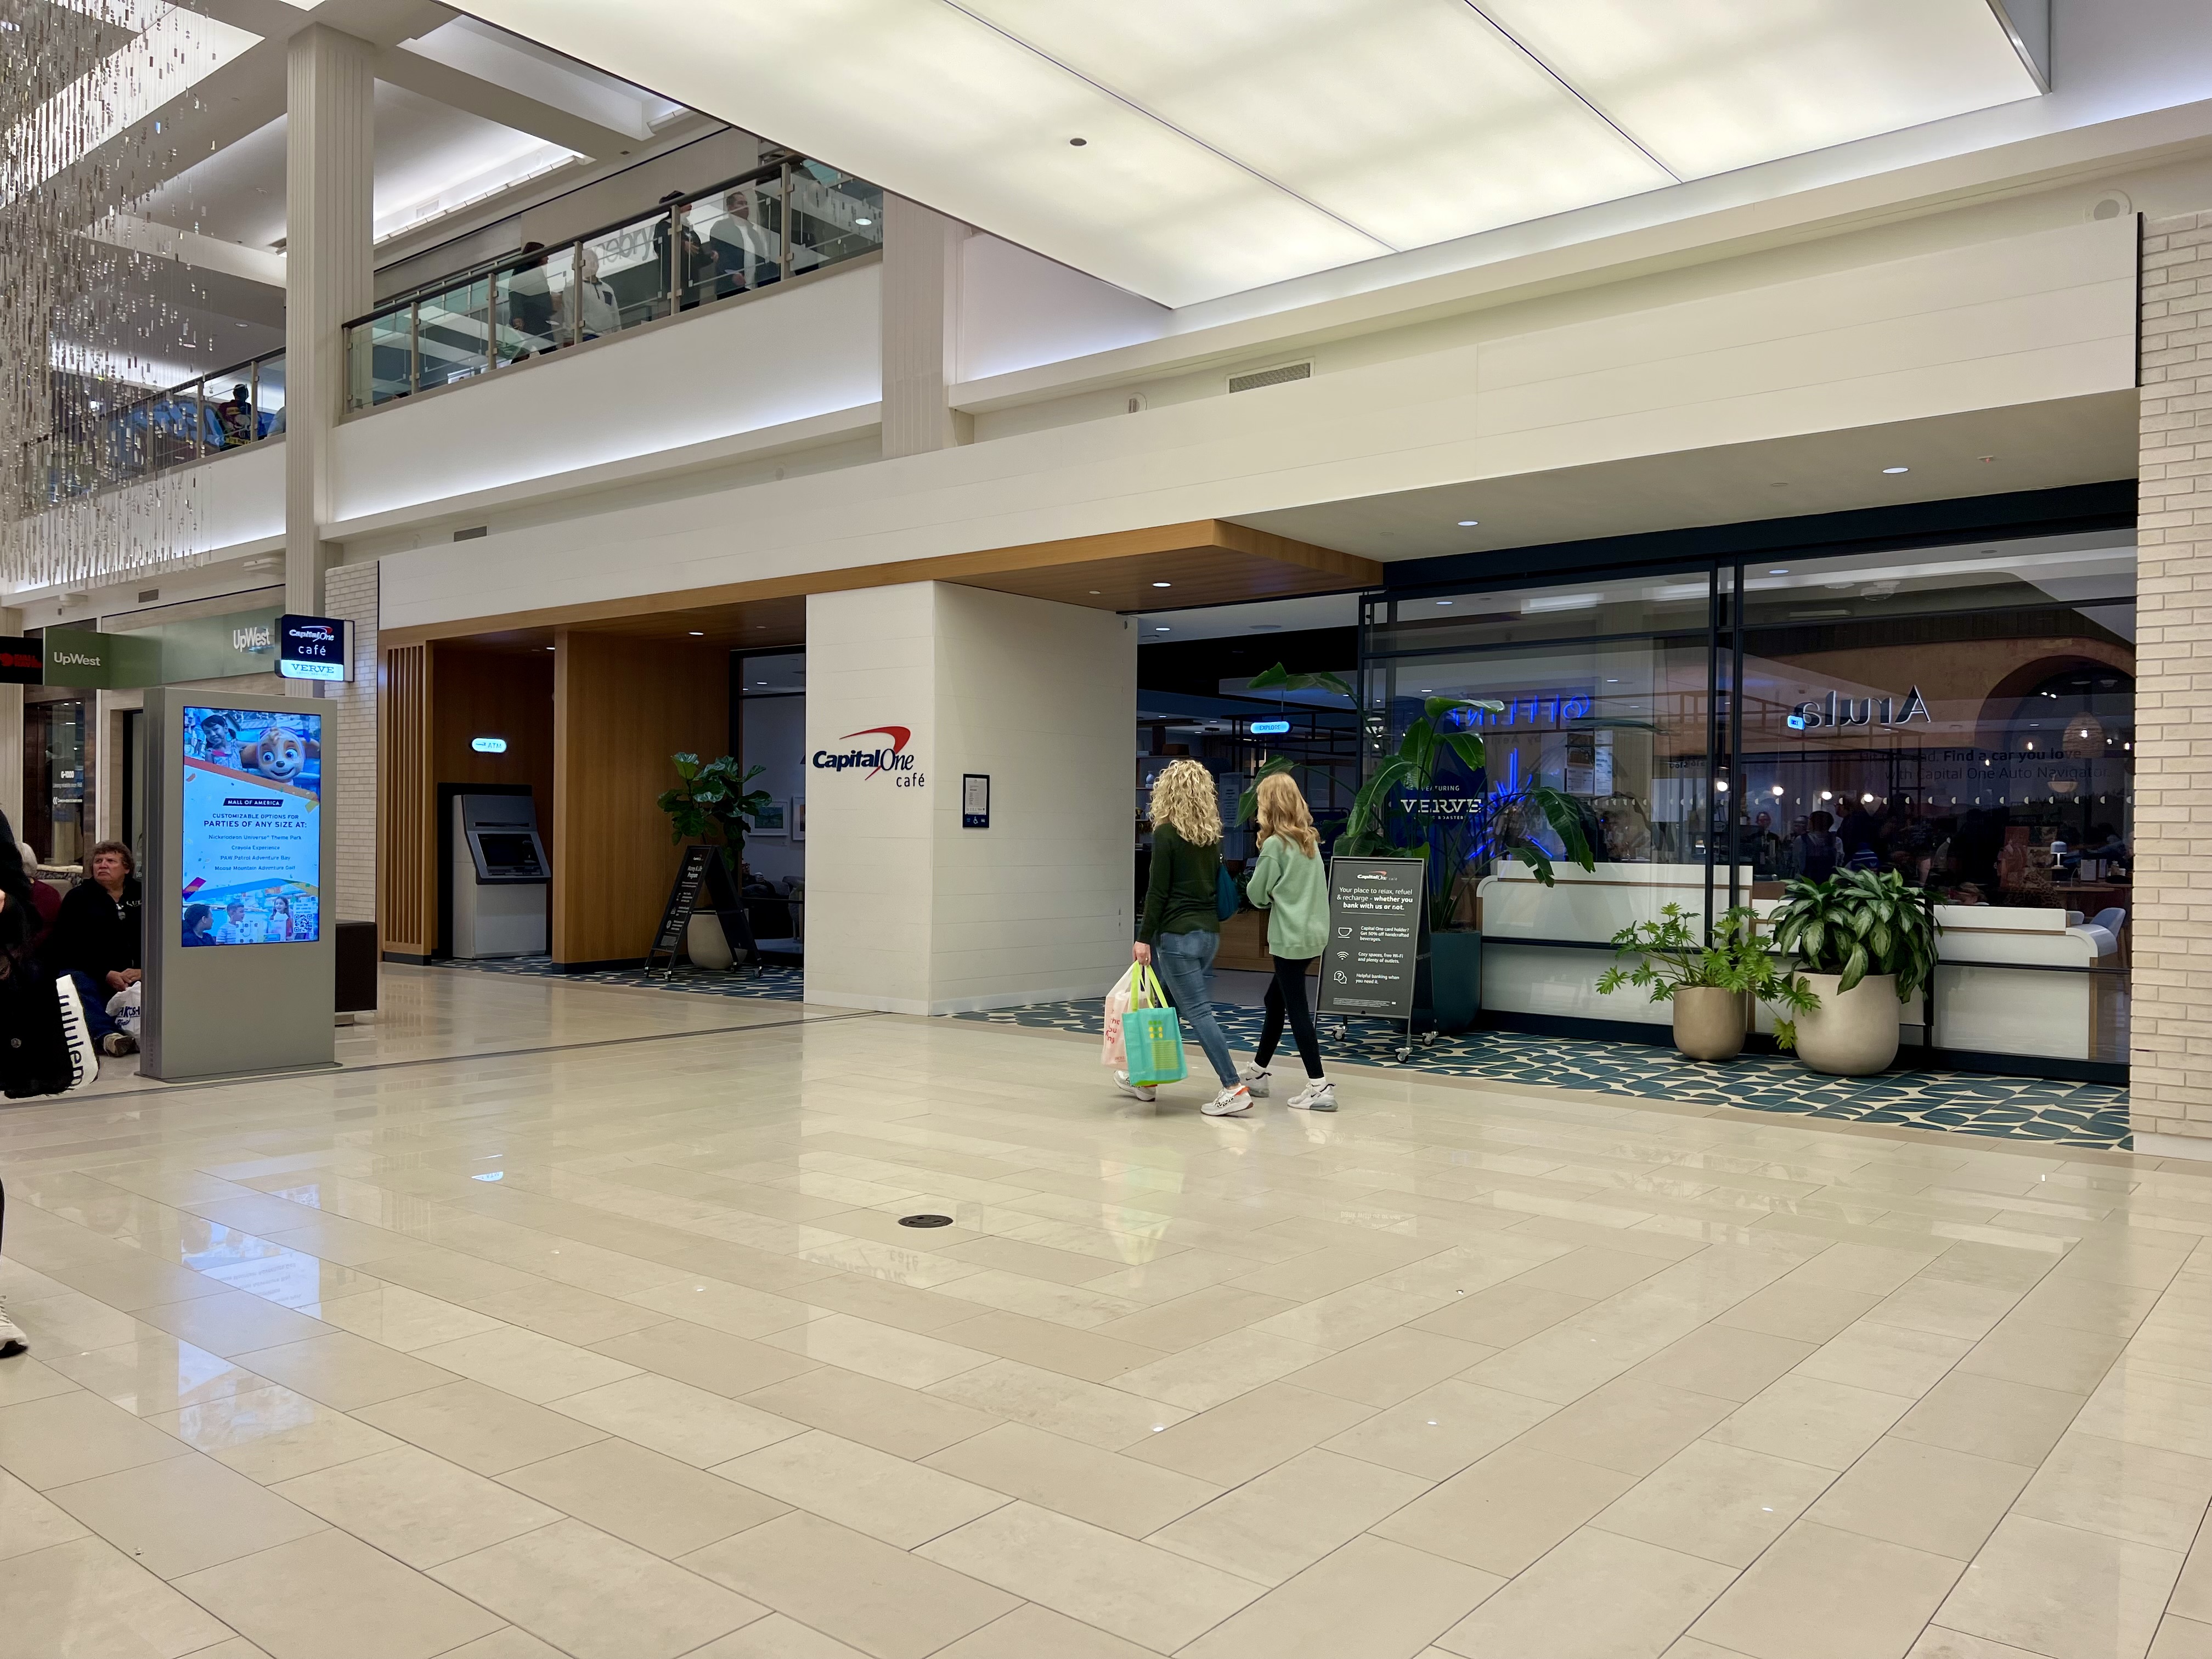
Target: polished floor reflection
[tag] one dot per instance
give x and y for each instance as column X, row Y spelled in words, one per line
column 579, row 1320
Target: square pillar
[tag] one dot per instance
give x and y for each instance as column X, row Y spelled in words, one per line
column 909, row 911
column 2170, row 1055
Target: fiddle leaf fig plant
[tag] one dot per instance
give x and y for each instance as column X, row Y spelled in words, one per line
column 1860, row 922
column 710, row 803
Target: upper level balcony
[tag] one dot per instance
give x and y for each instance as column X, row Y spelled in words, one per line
column 232, row 409
column 786, row 218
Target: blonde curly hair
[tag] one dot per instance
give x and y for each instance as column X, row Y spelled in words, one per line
column 1184, row 798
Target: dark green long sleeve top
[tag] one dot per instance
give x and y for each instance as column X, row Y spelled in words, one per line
column 1180, row 898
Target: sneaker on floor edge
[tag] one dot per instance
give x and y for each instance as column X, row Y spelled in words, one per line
column 12, row 1340
column 1229, row 1103
column 1135, row 1090
column 119, row 1042
column 1313, row 1097
column 1256, row 1078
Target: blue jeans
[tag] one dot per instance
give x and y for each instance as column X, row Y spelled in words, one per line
column 1184, row 960
column 94, row 997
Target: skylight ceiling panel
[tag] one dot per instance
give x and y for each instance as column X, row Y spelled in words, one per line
column 1417, row 120
column 1708, row 86
column 930, row 102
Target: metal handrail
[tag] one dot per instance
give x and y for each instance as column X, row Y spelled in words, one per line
column 479, row 326
column 180, row 415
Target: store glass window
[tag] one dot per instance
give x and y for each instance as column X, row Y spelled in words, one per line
column 1963, row 715
column 53, row 779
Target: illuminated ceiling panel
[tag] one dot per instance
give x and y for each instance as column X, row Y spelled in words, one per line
column 1231, row 143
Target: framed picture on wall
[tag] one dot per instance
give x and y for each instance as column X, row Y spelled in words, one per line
column 774, row 819
column 799, row 817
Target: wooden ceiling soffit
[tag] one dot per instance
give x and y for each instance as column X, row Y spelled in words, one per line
column 1208, row 561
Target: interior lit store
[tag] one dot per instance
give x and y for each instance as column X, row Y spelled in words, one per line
column 1961, row 715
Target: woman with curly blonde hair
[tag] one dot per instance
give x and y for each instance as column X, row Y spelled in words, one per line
column 1182, row 928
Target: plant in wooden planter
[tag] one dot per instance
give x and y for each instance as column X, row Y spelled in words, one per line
column 1712, row 984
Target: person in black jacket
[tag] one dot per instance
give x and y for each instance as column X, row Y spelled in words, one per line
column 97, row 940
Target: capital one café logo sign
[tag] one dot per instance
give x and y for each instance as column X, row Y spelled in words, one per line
column 1834, row 711
column 871, row 759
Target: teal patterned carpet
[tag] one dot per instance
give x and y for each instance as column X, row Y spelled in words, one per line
column 2012, row 1109
column 774, row 983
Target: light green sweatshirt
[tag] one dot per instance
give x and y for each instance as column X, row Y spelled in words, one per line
column 1293, row 889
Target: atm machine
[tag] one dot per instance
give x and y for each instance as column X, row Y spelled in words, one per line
column 501, row 878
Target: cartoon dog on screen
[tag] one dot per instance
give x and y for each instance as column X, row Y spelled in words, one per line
column 277, row 754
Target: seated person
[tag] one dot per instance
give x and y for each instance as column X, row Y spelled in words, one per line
column 237, row 419
column 96, row 939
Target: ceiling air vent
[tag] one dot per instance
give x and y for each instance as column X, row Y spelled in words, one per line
column 147, row 595
column 1260, row 377
column 473, row 534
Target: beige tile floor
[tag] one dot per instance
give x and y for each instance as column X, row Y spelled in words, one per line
column 572, row 1320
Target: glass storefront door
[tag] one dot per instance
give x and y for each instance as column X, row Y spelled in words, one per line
column 53, row 779
column 1964, row 716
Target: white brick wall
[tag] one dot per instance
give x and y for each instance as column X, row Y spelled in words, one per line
column 350, row 591
column 2171, row 1054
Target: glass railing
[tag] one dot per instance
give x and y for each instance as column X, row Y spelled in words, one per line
column 230, row 409
column 783, row 220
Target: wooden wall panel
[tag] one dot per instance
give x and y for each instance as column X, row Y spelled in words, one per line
column 495, row 694
column 621, row 707
column 407, row 896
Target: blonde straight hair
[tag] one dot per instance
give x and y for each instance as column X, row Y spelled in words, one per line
column 1283, row 812
column 1186, row 798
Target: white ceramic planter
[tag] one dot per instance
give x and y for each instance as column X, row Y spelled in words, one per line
column 1710, row 1023
column 705, row 944
column 1853, row 1035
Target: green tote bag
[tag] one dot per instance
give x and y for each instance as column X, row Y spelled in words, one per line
column 1151, row 1035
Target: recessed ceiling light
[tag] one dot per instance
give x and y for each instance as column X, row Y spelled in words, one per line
column 698, row 633
column 1159, row 630
column 1094, row 592
column 1164, row 584
column 1468, row 524
column 1897, row 468
column 1782, row 572
column 1443, row 601
column 549, row 647
column 864, row 222
column 760, row 682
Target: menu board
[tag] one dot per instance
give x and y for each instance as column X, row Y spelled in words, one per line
column 1376, row 908
column 253, row 857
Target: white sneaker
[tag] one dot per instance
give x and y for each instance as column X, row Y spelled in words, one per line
column 1135, row 1090
column 1318, row 1095
column 1229, row 1103
column 1256, row 1078
column 12, row 1340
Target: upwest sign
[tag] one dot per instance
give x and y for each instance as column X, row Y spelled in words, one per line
column 868, row 761
column 1834, row 710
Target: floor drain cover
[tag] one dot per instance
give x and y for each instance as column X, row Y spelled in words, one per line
column 925, row 1221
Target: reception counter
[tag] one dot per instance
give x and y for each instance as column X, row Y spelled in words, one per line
column 2011, row 981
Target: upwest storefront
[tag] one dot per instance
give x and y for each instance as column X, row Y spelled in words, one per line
column 1963, row 713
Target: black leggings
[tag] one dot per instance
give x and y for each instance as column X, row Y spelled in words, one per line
column 1288, row 990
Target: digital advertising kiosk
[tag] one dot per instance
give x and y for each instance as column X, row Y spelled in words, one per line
column 241, row 955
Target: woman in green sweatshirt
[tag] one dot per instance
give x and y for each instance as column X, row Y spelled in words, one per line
column 1290, row 886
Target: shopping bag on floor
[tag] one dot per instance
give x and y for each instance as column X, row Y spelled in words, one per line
column 1119, row 1000
column 1151, row 1034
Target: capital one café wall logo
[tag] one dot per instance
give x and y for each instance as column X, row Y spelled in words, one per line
column 873, row 759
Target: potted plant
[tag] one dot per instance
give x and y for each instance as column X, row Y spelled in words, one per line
column 1712, row 984
column 1399, row 813
column 710, row 803
column 1867, row 942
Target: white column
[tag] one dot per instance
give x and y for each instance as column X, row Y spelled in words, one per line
column 330, row 153
column 907, row 910
column 921, row 328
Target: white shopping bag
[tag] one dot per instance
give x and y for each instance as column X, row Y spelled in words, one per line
column 1119, row 1000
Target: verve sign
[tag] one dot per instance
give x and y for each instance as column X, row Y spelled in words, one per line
column 892, row 758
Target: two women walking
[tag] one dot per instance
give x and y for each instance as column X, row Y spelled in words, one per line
column 1181, row 930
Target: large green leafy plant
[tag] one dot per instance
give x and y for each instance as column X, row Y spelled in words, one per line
column 710, row 803
column 1669, row 956
column 1860, row 922
column 1398, row 810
